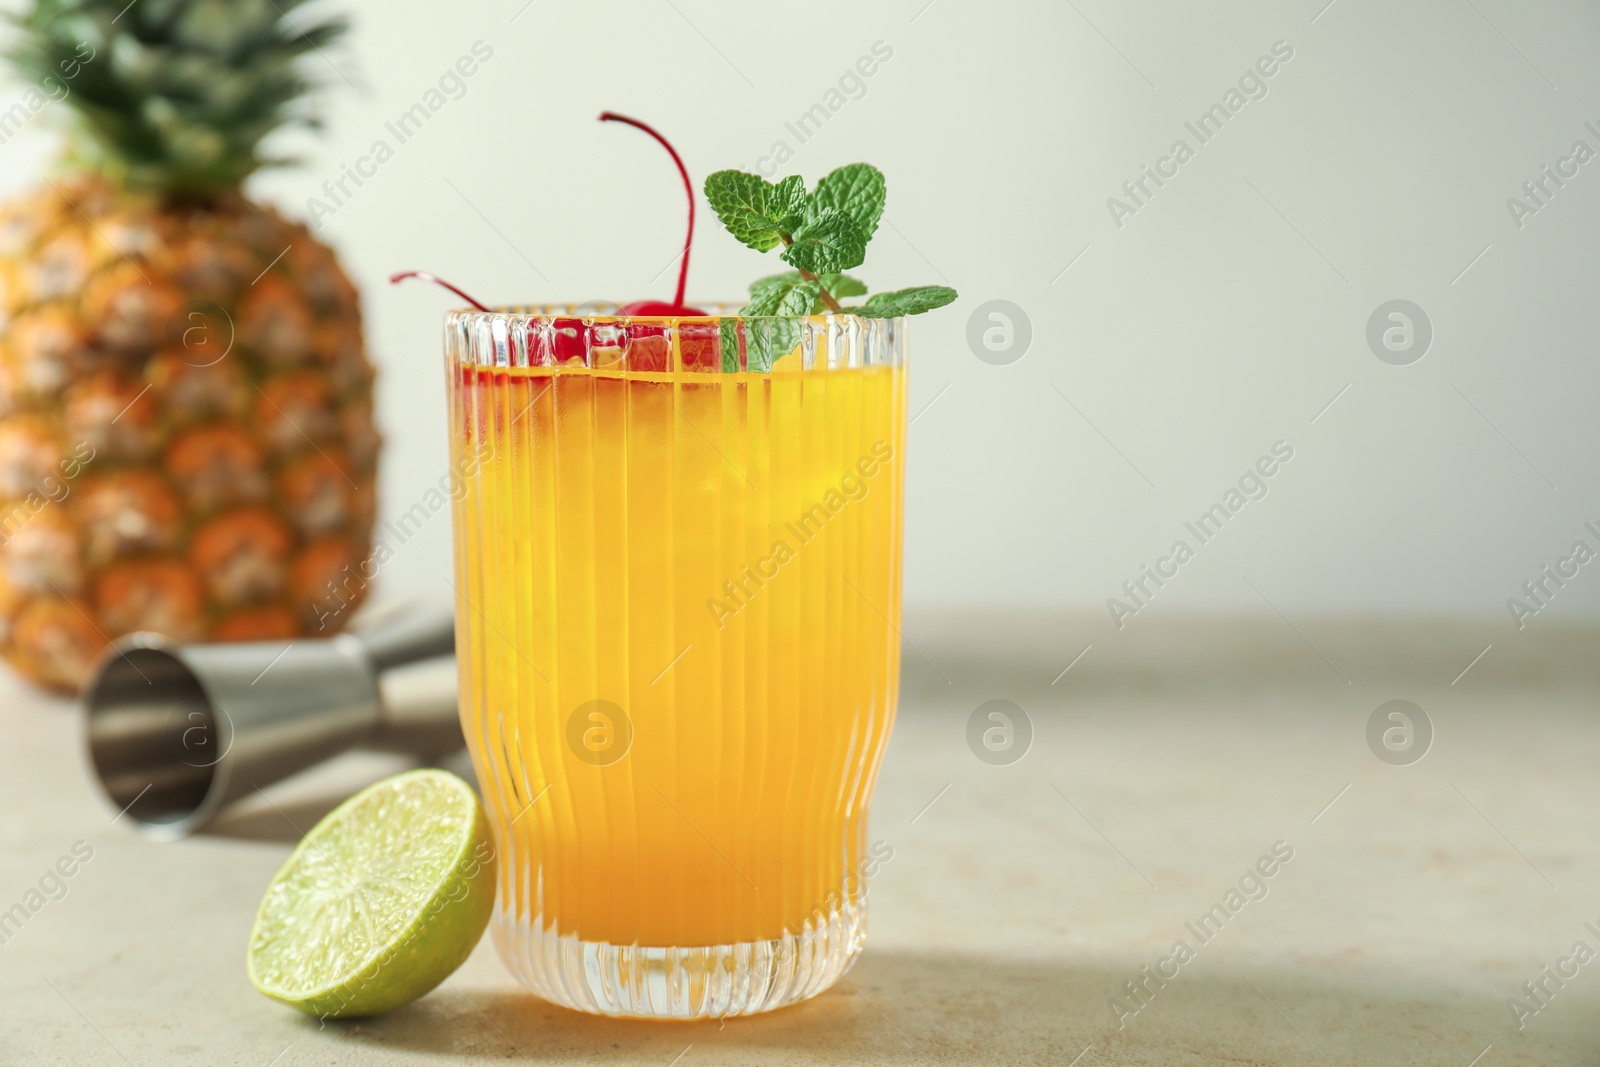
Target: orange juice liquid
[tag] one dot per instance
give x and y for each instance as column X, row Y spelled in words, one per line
column 678, row 632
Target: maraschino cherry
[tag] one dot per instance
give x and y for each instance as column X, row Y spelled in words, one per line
column 658, row 307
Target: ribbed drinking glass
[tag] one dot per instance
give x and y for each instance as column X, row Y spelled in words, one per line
column 678, row 606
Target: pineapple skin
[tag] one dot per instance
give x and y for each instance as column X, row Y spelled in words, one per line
column 187, row 443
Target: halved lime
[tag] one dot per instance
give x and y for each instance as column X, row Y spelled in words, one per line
column 381, row 901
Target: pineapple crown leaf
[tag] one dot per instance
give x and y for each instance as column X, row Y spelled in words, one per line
column 174, row 96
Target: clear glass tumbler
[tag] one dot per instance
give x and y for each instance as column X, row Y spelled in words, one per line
column 677, row 618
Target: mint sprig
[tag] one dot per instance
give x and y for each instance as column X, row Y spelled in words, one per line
column 823, row 233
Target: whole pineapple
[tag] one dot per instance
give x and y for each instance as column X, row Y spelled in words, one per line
column 186, row 433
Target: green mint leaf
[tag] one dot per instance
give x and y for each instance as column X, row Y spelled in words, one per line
column 768, row 340
column 858, row 190
column 837, row 285
column 786, row 278
column 842, row 285
column 729, row 328
column 827, row 242
column 786, row 297
column 905, row 302
column 752, row 208
column 788, row 201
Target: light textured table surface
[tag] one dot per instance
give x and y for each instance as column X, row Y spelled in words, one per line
column 1019, row 899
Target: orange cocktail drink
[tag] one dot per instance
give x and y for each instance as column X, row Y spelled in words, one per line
column 678, row 633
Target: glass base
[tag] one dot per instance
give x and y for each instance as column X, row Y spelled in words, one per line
column 714, row 981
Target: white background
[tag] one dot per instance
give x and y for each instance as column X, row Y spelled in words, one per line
column 1224, row 316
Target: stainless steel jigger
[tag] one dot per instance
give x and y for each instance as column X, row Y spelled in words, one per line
column 178, row 732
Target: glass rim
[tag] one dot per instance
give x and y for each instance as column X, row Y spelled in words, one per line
column 591, row 337
column 606, row 311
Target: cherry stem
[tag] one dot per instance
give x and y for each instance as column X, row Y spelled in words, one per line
column 688, row 188
column 396, row 279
